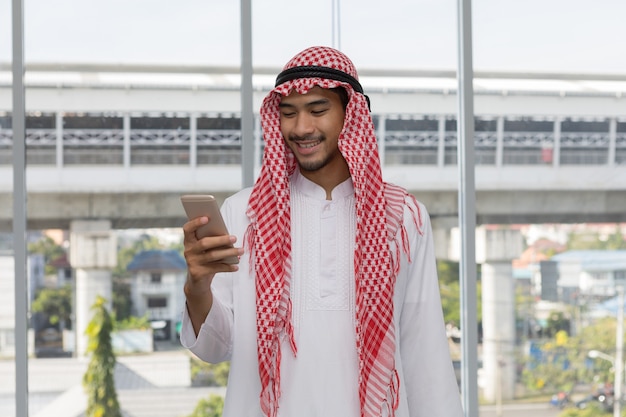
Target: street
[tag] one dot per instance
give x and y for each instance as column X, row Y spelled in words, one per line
column 519, row 410
column 154, row 385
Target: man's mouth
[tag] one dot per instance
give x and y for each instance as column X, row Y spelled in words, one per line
column 307, row 145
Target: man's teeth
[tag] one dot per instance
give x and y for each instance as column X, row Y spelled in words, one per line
column 308, row 145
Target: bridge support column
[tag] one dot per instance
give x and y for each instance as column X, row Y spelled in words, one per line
column 445, row 237
column 93, row 255
column 495, row 250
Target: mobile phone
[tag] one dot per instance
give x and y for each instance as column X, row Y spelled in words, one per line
column 198, row 205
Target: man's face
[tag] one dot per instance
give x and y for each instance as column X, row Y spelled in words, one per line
column 311, row 124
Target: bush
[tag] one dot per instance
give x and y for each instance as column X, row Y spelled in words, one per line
column 98, row 380
column 132, row 323
column 209, row 407
column 209, row 374
column 592, row 410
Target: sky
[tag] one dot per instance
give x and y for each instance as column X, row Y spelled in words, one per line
column 564, row 36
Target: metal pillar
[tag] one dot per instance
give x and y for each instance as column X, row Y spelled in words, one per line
column 619, row 354
column 467, row 210
column 19, row 213
column 500, row 141
column 193, row 140
column 441, row 141
column 126, row 145
column 336, row 23
column 59, row 139
column 556, row 152
column 612, row 141
column 247, row 115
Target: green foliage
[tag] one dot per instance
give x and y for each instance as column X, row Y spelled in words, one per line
column 559, row 371
column 209, row 407
column 556, row 322
column 209, row 374
column 56, row 303
column 592, row 410
column 132, row 323
column 50, row 251
column 122, row 305
column 615, row 241
column 121, row 286
column 594, row 241
column 98, row 380
column 450, row 289
column 564, row 359
column 600, row 336
column 126, row 254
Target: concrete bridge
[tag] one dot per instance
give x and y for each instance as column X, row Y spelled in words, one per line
column 122, row 143
column 148, row 197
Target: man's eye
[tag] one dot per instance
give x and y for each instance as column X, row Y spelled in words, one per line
column 288, row 114
column 318, row 112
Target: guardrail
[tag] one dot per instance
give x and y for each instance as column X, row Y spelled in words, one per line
column 223, row 146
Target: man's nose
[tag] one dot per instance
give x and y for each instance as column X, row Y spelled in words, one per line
column 304, row 124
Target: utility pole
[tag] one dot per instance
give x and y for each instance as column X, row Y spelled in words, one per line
column 619, row 354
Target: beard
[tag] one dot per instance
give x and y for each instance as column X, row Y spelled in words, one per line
column 311, row 165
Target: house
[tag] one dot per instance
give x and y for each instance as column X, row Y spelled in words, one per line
column 157, row 289
column 595, row 274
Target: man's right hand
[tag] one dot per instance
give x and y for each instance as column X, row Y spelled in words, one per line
column 204, row 259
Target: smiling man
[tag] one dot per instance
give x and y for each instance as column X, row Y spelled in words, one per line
column 334, row 309
column 311, row 124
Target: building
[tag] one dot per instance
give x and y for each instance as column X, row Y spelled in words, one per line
column 35, row 270
column 594, row 274
column 157, row 289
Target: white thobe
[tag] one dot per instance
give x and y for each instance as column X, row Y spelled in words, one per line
column 321, row 380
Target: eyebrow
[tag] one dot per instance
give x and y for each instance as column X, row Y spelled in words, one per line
column 318, row 102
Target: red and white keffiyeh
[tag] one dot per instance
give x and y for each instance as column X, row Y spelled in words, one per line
column 379, row 210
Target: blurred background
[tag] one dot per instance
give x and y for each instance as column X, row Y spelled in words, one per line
column 131, row 104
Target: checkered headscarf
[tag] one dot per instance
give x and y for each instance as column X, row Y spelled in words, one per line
column 379, row 208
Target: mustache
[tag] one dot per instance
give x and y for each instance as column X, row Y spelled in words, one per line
column 296, row 138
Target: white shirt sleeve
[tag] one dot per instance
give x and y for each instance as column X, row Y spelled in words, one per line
column 430, row 382
column 214, row 341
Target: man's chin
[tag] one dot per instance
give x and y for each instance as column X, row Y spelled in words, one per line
column 311, row 166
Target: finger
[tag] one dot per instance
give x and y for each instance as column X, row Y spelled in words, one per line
column 220, row 255
column 211, row 250
column 191, row 226
column 212, row 242
column 200, row 271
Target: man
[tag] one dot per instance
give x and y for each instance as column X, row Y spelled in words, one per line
column 334, row 309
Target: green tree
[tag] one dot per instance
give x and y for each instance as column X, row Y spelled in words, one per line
column 563, row 361
column 127, row 253
column 55, row 303
column 556, row 322
column 50, row 251
column 593, row 241
column 450, row 289
column 121, row 278
column 99, row 381
column 615, row 241
column 209, row 407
